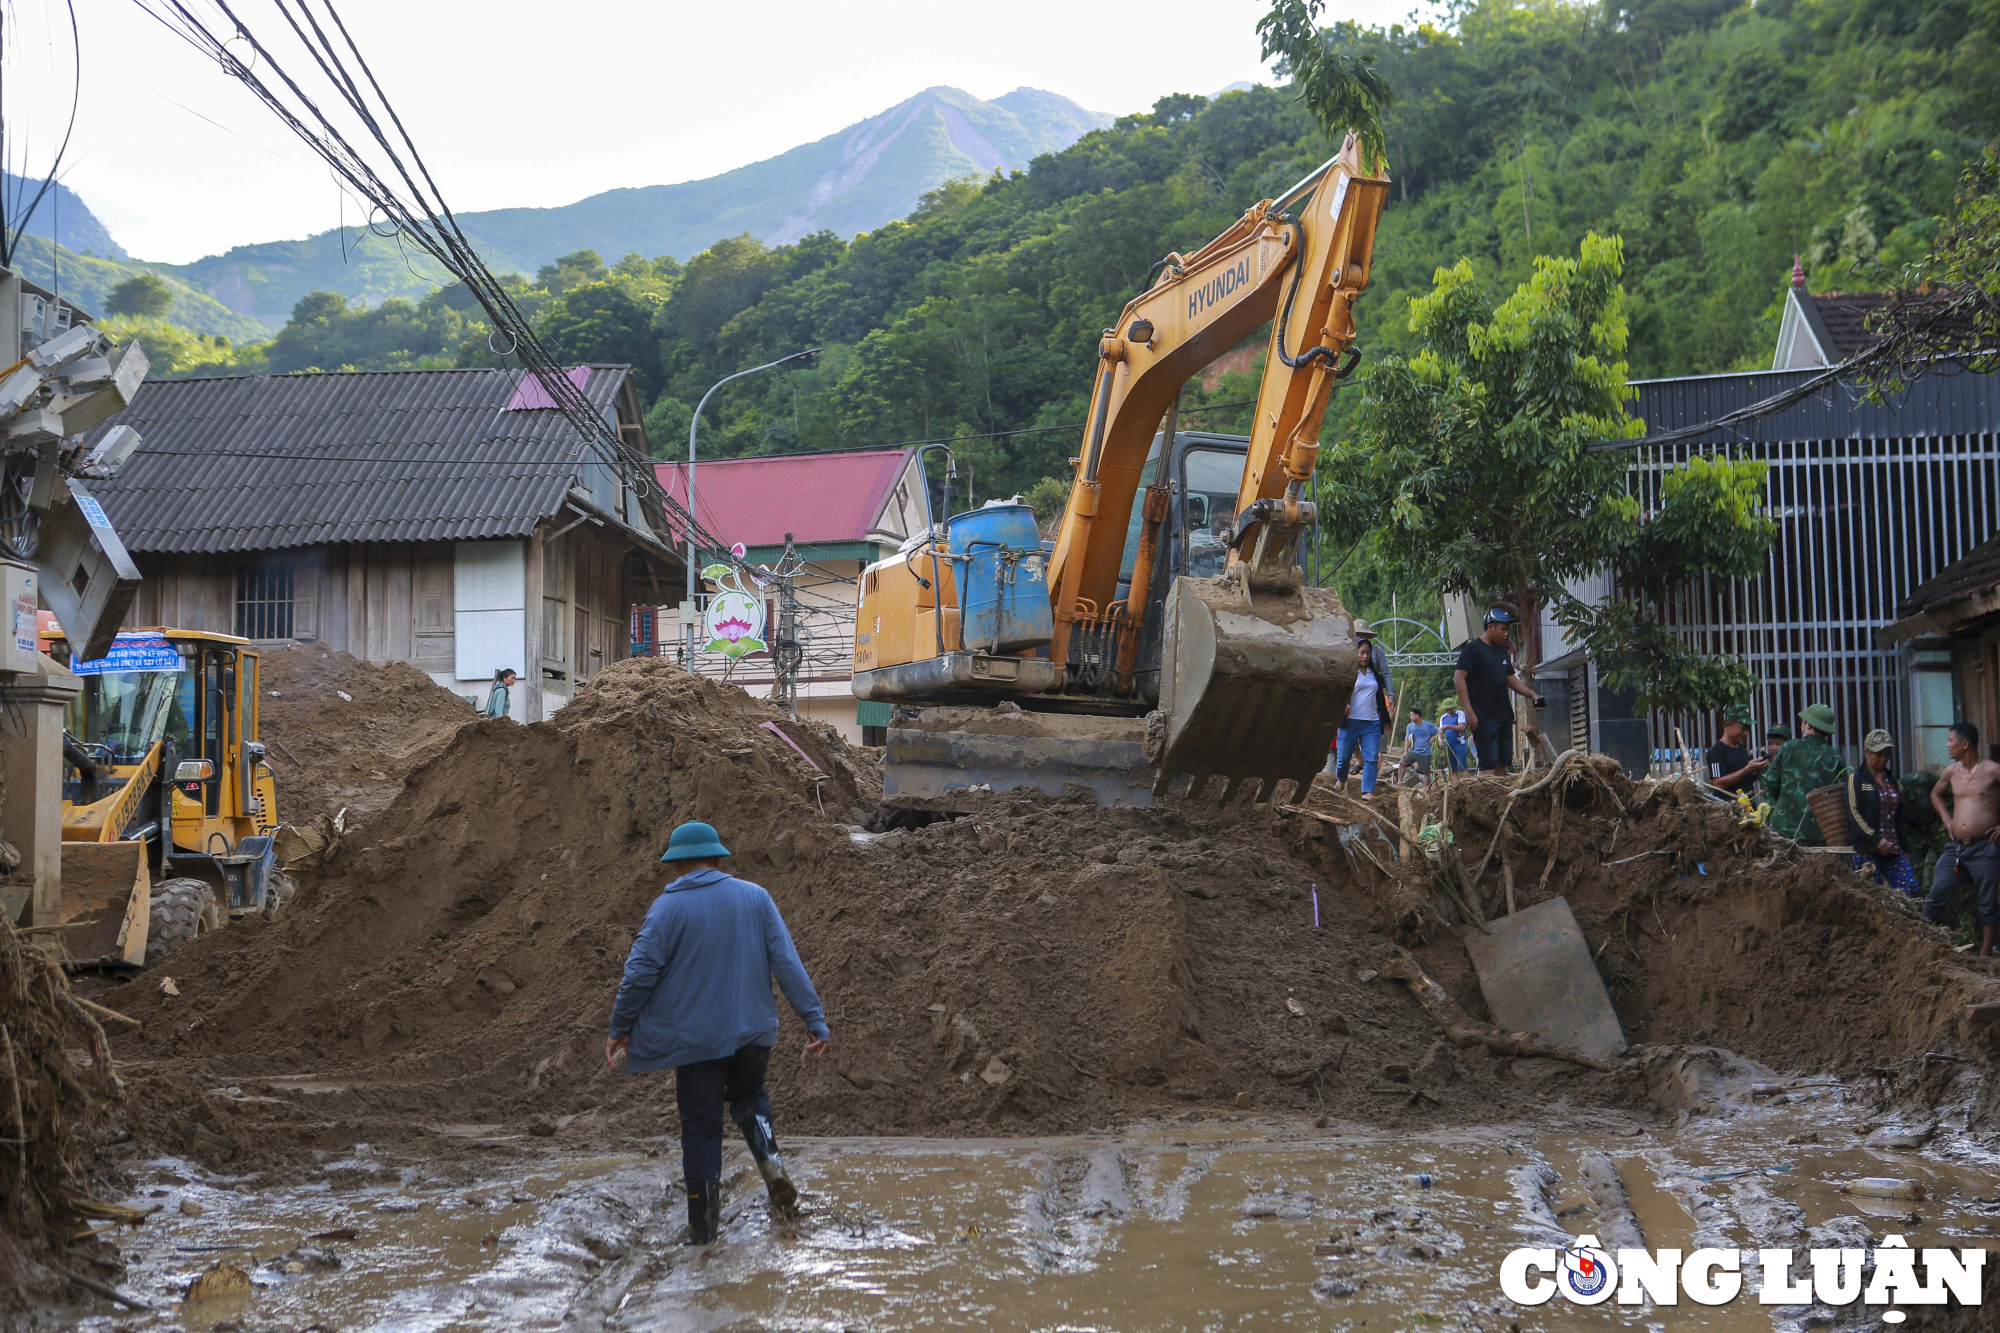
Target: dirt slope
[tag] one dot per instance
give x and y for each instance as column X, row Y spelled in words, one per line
column 330, row 752
column 1051, row 965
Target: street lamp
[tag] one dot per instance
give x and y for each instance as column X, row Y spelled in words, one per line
column 694, row 425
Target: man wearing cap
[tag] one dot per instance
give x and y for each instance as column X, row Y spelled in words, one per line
column 1730, row 765
column 1803, row 766
column 1483, row 676
column 696, row 999
column 1875, row 816
column 1451, row 723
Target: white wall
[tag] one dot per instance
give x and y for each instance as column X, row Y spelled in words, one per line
column 490, row 610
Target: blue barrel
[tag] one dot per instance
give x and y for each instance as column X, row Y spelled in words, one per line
column 1003, row 585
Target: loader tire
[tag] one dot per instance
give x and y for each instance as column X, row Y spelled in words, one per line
column 182, row 910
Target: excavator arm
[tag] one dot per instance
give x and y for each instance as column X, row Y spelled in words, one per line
column 1254, row 665
column 1308, row 266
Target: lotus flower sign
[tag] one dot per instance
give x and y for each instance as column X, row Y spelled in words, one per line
column 735, row 618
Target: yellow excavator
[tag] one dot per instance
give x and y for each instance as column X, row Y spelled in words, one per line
column 169, row 809
column 1169, row 629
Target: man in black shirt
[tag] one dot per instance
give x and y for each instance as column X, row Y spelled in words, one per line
column 1730, row 765
column 1483, row 676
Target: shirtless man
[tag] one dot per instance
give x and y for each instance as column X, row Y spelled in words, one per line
column 1973, row 825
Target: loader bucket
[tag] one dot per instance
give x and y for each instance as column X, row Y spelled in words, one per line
column 107, row 902
column 1252, row 685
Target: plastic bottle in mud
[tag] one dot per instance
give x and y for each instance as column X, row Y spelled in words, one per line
column 1884, row 1187
column 1420, row 1180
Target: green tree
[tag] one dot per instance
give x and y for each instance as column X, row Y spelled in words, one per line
column 572, row 270
column 1344, row 92
column 1473, row 466
column 1948, row 305
column 146, row 296
column 600, row 322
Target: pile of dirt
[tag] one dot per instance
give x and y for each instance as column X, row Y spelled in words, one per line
column 343, row 733
column 1044, row 965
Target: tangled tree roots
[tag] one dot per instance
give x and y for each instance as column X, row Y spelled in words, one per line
column 47, row 1094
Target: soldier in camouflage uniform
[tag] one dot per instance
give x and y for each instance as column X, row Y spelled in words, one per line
column 1803, row 766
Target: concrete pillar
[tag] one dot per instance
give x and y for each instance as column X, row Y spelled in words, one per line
column 31, row 763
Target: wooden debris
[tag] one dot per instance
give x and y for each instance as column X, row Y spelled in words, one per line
column 1461, row 1030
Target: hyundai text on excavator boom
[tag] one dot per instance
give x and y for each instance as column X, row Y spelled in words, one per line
column 1158, row 597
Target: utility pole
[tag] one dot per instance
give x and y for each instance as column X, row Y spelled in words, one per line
column 786, row 652
column 693, row 560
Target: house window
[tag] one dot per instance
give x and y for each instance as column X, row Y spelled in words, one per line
column 265, row 600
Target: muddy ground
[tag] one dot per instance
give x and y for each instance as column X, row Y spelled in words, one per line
column 439, row 991
column 1051, row 967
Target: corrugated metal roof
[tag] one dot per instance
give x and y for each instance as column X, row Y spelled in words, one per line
column 262, row 462
column 1935, row 406
column 1976, row 572
column 815, row 497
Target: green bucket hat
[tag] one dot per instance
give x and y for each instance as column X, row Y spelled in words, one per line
column 1819, row 717
column 694, row 841
column 1737, row 713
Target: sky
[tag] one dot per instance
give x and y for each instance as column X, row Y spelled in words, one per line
column 518, row 104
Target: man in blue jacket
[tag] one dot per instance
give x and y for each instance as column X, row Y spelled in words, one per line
column 697, row 998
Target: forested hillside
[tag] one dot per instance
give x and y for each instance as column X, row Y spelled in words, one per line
column 1717, row 139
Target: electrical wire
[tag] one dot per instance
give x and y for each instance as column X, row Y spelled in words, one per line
column 14, row 220
column 658, row 462
column 416, row 209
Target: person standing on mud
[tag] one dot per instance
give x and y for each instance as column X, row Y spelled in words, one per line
column 1451, row 722
column 1730, row 766
column 1418, row 736
column 696, row 998
column 1483, row 676
column 1874, row 816
column 1371, row 704
column 1802, row 767
column 499, row 700
column 1972, row 825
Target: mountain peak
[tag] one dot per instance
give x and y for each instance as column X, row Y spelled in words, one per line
column 851, row 181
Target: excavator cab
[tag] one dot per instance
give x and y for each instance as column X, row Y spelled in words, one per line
column 169, row 808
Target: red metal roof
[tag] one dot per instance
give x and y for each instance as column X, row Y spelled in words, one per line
column 815, row 497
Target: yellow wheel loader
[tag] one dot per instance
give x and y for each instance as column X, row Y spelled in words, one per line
column 1169, row 629
column 168, row 805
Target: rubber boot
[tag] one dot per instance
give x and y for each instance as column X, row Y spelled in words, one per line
column 770, row 1165
column 704, row 1211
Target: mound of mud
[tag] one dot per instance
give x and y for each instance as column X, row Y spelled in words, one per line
column 330, row 752
column 1044, row 965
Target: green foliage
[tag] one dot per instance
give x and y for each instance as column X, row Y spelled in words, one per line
column 145, row 295
column 326, row 333
column 1473, row 467
column 178, row 353
column 1716, row 137
column 1344, row 92
column 1048, row 497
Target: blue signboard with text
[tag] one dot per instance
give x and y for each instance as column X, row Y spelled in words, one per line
column 133, row 652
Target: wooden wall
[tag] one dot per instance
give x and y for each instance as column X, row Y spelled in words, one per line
column 394, row 602
column 384, row 601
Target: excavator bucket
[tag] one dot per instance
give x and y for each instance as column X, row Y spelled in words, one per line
column 107, row 902
column 1252, row 684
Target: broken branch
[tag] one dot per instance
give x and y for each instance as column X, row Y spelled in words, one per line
column 1461, row 1030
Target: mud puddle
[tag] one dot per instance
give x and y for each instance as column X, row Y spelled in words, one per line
column 1169, row 1226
